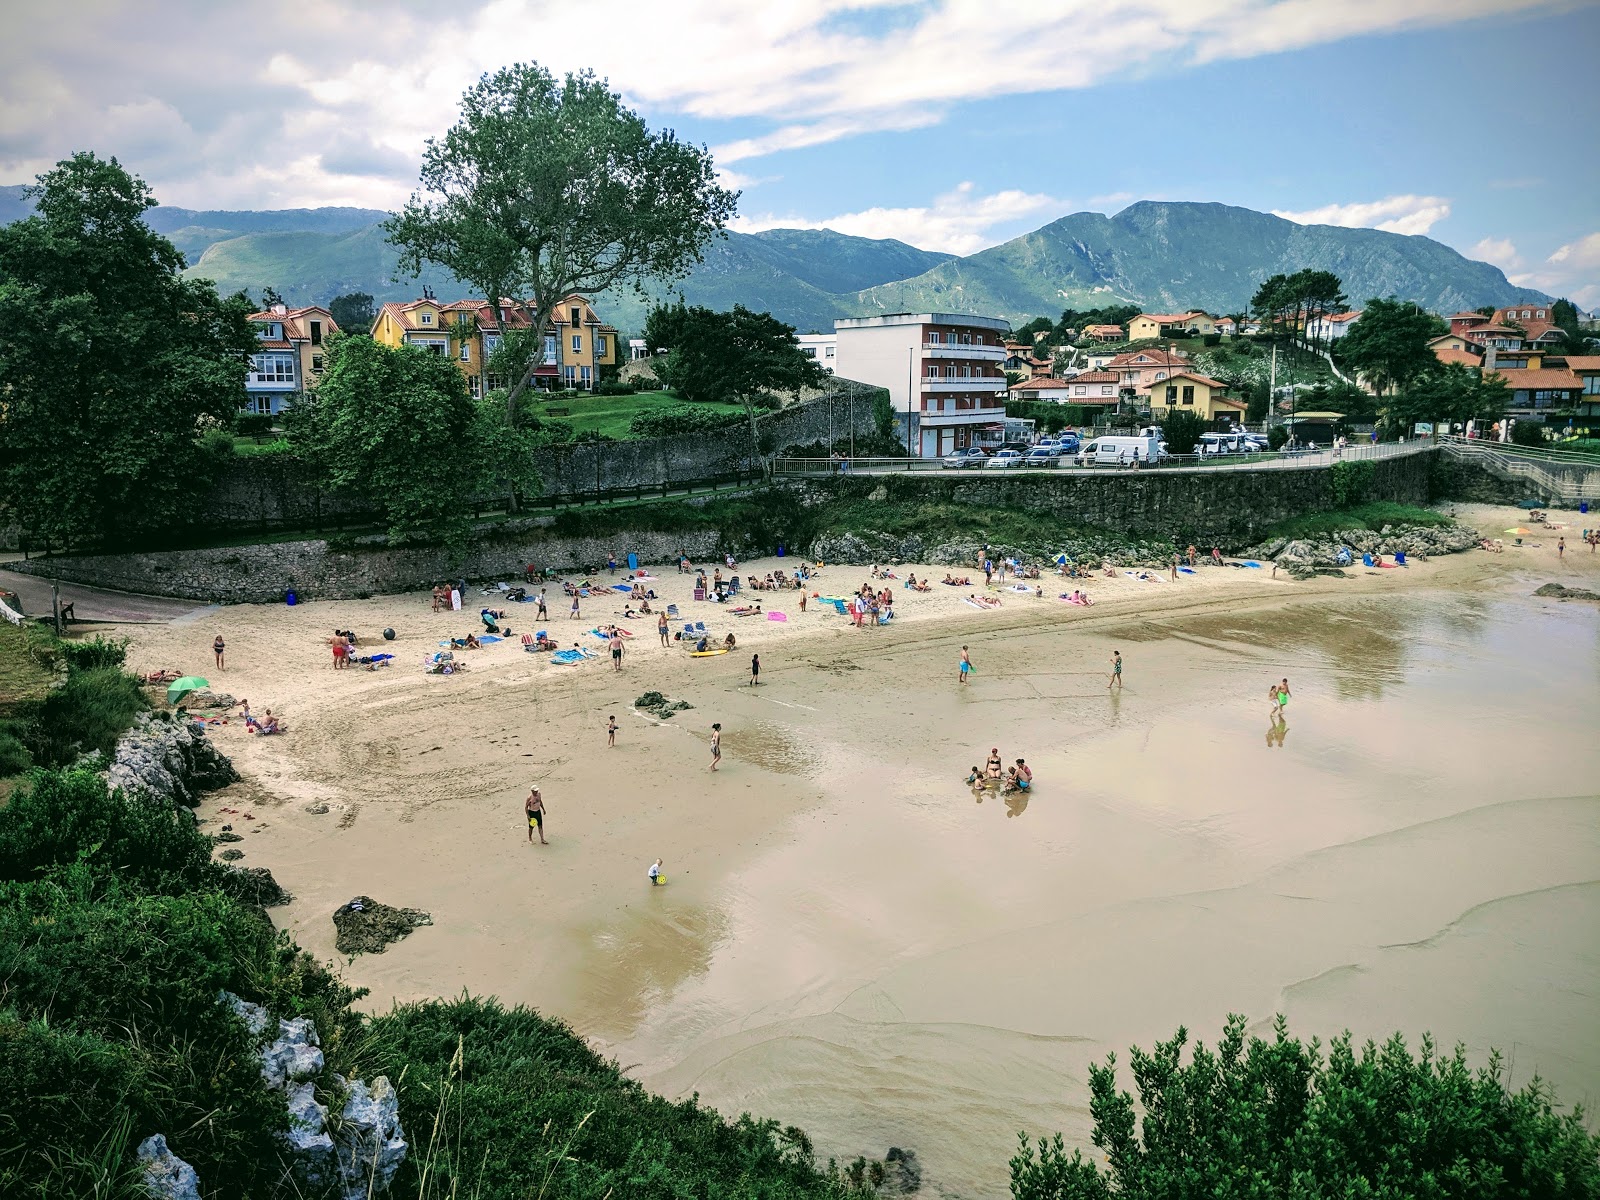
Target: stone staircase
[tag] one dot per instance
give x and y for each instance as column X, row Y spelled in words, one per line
column 1554, row 476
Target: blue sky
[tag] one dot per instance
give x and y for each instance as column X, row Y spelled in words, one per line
column 952, row 125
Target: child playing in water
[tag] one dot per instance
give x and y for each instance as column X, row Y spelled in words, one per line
column 975, row 778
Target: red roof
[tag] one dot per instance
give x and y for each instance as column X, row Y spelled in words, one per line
column 1583, row 362
column 1542, row 379
column 1466, row 358
column 1155, row 357
column 1197, row 377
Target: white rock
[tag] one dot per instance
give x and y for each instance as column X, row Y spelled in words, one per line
column 165, row 1174
column 309, row 1142
column 256, row 1019
column 371, row 1143
column 293, row 1056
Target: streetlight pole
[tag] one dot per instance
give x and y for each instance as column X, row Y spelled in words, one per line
column 911, row 390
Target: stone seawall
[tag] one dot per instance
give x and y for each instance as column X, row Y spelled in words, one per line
column 1231, row 507
column 314, row 569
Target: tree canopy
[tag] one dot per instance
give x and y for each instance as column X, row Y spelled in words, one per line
column 112, row 363
column 1290, row 303
column 398, row 428
column 548, row 187
column 1449, row 392
column 353, row 312
column 1389, row 345
column 1278, row 1118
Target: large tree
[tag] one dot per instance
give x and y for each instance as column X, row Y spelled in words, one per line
column 353, row 312
column 1277, row 1118
column 547, row 187
column 398, row 428
column 1449, row 392
column 1389, row 345
column 739, row 357
column 111, row 363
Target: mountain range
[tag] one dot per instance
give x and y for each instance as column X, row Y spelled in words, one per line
column 1161, row 255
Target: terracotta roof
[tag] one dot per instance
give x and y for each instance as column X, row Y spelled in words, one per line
column 1104, row 329
column 1465, row 357
column 1197, row 377
column 1539, row 329
column 1468, row 316
column 275, row 344
column 1095, row 377
column 1583, row 362
column 1488, row 329
column 1444, row 337
column 1342, row 317
column 1229, row 402
column 1156, row 357
column 294, row 320
column 1542, row 378
column 1171, row 318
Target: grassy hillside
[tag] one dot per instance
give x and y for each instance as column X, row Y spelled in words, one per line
column 1165, row 256
column 312, row 268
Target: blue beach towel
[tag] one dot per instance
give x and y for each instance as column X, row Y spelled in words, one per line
column 566, row 656
column 1187, row 570
column 1253, row 564
column 487, row 638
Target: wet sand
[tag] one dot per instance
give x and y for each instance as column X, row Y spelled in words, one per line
column 850, row 942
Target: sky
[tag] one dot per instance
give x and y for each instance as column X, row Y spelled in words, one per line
column 950, row 124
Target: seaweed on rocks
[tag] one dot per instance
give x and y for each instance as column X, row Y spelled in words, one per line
column 364, row 926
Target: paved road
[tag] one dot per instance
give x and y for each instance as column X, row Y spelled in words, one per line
column 1236, row 462
column 94, row 604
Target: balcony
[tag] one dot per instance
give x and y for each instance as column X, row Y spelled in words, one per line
column 961, row 416
column 985, row 383
column 974, row 353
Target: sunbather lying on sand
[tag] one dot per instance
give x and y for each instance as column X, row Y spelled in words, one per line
column 953, row 581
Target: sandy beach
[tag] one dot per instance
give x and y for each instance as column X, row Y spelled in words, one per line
column 850, row 940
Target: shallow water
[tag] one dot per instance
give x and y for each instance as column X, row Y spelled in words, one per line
column 1419, row 850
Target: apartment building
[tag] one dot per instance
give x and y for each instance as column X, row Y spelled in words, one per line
column 289, row 356
column 823, row 347
column 468, row 332
column 944, row 373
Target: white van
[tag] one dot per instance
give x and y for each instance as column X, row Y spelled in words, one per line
column 1217, row 443
column 1115, row 450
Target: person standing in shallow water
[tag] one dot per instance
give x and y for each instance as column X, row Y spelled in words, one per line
column 755, row 670
column 716, row 745
column 1116, row 671
column 966, row 664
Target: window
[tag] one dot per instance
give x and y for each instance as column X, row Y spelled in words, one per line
column 1081, row 390
column 1172, row 392
column 978, row 341
column 269, row 332
column 1161, row 374
column 1539, row 314
column 1105, row 389
column 827, row 351
column 966, row 339
column 571, row 374
column 550, row 349
column 1188, row 394
column 272, row 368
column 1591, row 385
column 435, row 346
column 316, row 333
column 577, row 343
column 809, row 351
column 316, row 363
column 584, row 374
column 472, row 384
column 600, row 346
column 427, row 318
column 491, row 343
column 466, row 351
column 577, row 316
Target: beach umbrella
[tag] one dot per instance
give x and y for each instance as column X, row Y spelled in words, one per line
column 179, row 688
column 1520, row 531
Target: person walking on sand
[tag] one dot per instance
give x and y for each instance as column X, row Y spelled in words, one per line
column 616, row 649
column 543, row 613
column 611, row 731
column 661, row 627
column 656, row 877
column 966, row 664
column 1174, row 568
column 217, row 648
column 611, row 563
column 1116, row 671
column 716, row 744
column 1561, row 553
column 534, row 807
column 575, row 613
column 755, row 670
column 1193, row 554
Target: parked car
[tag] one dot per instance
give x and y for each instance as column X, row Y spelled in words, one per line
column 1005, row 458
column 1042, row 456
column 970, row 456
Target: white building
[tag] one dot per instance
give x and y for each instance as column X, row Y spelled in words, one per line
column 824, row 347
column 637, row 350
column 944, row 373
column 1330, row 327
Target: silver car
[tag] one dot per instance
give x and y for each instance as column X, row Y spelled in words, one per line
column 970, row 456
column 1005, row 458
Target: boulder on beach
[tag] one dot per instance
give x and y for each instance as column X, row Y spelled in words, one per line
column 255, row 885
column 1560, row 592
column 660, row 706
column 365, row 926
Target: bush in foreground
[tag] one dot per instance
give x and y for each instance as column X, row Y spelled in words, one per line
column 1277, row 1118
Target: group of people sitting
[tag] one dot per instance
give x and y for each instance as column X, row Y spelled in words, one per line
column 918, row 585
column 1077, row 597
column 957, row 580
column 1018, row 778
column 266, row 726
column 777, row 581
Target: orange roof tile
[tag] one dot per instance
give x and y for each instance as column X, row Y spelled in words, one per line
column 1466, row 358
column 1583, row 362
column 1542, row 378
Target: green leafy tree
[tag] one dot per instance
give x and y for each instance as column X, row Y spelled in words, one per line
column 354, row 312
column 1181, row 431
column 111, row 362
column 547, row 187
column 1389, row 345
column 738, row 357
column 1277, row 1118
column 1565, row 316
column 1449, row 392
column 1026, row 333
column 398, row 428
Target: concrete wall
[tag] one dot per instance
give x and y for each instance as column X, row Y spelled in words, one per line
column 315, row 570
column 1229, row 507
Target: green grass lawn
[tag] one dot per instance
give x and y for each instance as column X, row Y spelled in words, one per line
column 610, row 414
column 1372, row 516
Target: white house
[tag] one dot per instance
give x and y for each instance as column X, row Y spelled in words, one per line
column 824, row 347
column 943, row 372
column 1330, row 327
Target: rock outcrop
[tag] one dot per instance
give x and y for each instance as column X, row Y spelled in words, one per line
column 1304, row 557
column 169, row 758
column 365, row 926
column 1561, row 592
column 165, row 1175
column 861, row 549
column 369, row 1145
column 255, row 885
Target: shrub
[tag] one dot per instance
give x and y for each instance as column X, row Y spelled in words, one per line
column 1350, row 482
column 1277, row 436
column 85, row 715
column 678, row 419
column 256, row 425
column 96, row 653
column 1212, row 339
column 615, row 387
column 1181, row 431
column 1527, row 432
column 1277, row 1118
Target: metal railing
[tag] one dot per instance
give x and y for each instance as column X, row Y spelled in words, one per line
column 1070, row 464
column 1568, row 475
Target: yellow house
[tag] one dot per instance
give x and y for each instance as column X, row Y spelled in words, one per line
column 1187, row 391
column 1153, row 325
column 289, row 355
column 468, row 333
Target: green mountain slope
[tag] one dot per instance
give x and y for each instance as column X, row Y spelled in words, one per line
column 312, row 268
column 835, row 262
column 1167, row 256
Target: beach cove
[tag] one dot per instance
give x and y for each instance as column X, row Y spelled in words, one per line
column 852, row 942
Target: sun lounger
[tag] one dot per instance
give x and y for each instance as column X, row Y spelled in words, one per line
column 699, row 626
column 672, row 610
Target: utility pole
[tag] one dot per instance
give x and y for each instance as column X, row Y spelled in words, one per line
column 55, row 605
column 852, row 418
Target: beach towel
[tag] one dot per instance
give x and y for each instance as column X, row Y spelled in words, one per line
column 568, row 656
column 622, row 587
column 975, row 604
column 487, row 638
column 1019, row 587
column 1186, row 570
column 777, row 616
column 1250, row 563
column 381, row 657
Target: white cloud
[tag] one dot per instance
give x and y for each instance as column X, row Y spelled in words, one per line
column 1583, row 254
column 221, row 114
column 961, row 221
column 1394, row 214
column 1499, row 251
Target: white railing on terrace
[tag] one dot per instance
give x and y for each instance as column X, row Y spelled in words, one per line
column 1569, row 475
